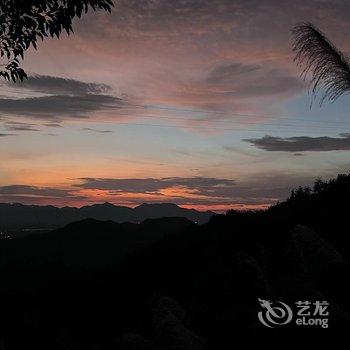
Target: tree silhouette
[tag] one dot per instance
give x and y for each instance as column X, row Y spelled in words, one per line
column 329, row 67
column 23, row 22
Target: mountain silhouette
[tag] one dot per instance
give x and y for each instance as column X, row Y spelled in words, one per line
column 89, row 243
column 19, row 216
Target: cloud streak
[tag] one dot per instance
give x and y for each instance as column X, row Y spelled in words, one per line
column 57, row 107
column 200, row 185
column 34, row 191
column 61, row 99
column 189, row 191
column 18, row 126
column 236, row 79
column 98, row 131
column 302, row 143
column 60, row 86
column 5, row 135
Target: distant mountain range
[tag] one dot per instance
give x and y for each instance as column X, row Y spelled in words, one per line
column 18, row 216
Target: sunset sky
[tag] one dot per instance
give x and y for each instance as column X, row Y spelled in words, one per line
column 194, row 102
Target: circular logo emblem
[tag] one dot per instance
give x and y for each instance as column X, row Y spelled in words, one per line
column 274, row 313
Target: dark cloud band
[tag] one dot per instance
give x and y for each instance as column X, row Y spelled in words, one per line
column 5, row 135
column 201, row 185
column 61, row 99
column 60, row 86
column 58, row 107
column 302, row 143
column 47, row 192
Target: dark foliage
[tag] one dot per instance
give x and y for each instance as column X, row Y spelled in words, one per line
column 168, row 284
column 24, row 22
column 324, row 208
column 329, row 68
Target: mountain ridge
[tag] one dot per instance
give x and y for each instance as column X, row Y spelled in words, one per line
column 17, row 216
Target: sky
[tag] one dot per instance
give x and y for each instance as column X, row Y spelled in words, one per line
column 194, row 102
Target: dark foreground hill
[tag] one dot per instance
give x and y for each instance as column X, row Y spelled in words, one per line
column 88, row 243
column 183, row 286
column 19, row 216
